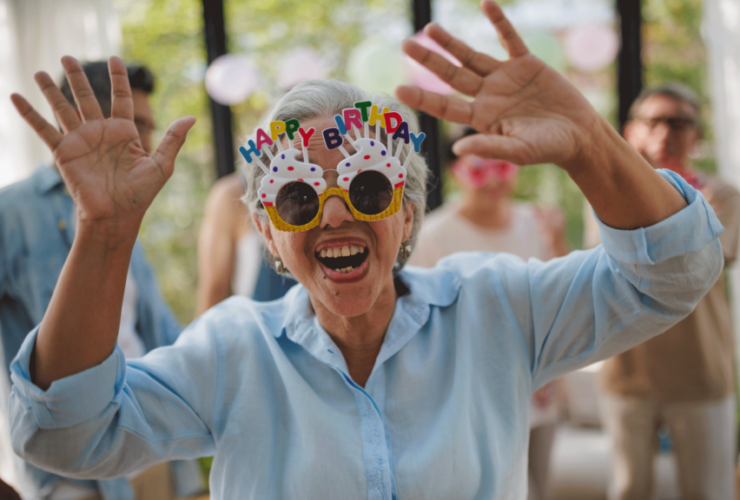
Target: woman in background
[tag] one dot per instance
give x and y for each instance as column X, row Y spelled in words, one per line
column 230, row 252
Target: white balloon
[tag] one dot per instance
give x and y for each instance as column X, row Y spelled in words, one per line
column 376, row 65
column 298, row 65
column 231, row 78
column 591, row 47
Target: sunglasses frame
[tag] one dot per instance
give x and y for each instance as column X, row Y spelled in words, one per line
column 281, row 225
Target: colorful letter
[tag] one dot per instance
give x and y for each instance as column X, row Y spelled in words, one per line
column 402, row 132
column 332, row 138
column 276, row 128
column 340, row 124
column 352, row 118
column 375, row 116
column 247, row 153
column 291, row 126
column 263, row 138
column 362, row 106
column 417, row 140
column 306, row 136
column 390, row 117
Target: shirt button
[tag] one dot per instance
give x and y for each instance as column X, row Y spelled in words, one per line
column 66, row 191
column 62, row 224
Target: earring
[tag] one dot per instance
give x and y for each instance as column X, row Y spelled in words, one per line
column 405, row 250
column 279, row 266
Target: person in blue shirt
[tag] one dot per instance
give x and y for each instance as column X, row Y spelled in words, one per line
column 37, row 230
column 368, row 379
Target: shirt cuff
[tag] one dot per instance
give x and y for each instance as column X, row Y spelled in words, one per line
column 70, row 400
column 687, row 231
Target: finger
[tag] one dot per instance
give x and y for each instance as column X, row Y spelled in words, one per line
column 477, row 62
column 50, row 135
column 65, row 113
column 122, row 102
column 452, row 109
column 462, row 79
column 173, row 140
column 492, row 146
column 510, row 39
column 84, row 96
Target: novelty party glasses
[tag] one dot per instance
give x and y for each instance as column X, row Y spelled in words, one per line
column 370, row 181
column 475, row 172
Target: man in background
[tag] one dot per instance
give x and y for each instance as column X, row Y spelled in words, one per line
column 682, row 379
column 37, row 227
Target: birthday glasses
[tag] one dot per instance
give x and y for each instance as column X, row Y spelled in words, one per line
column 475, row 172
column 370, row 181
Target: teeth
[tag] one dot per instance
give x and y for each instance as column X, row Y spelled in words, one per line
column 344, row 251
column 346, row 270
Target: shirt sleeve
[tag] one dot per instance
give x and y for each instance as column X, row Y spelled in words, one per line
column 593, row 305
column 117, row 418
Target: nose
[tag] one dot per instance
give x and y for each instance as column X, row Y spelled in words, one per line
column 335, row 213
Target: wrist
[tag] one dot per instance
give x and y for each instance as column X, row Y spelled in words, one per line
column 107, row 235
column 598, row 143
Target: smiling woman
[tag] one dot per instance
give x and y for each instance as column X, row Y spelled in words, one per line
column 367, row 380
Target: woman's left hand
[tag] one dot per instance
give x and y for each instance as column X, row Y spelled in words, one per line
column 527, row 112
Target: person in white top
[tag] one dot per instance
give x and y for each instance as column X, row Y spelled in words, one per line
column 486, row 218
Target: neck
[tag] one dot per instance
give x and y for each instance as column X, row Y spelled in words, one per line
column 360, row 337
column 484, row 210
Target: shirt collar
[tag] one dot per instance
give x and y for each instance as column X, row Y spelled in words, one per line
column 46, row 179
column 428, row 287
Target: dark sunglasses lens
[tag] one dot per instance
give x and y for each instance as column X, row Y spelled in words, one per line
column 370, row 192
column 297, row 203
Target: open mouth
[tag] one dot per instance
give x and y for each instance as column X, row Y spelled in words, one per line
column 343, row 259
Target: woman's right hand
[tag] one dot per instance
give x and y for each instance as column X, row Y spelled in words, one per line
column 108, row 173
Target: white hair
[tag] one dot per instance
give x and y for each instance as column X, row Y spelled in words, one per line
column 319, row 98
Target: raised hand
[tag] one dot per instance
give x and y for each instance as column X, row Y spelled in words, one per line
column 108, row 173
column 526, row 112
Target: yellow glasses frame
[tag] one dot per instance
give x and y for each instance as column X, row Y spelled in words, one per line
column 281, row 225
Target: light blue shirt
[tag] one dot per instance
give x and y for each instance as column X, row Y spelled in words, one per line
column 445, row 411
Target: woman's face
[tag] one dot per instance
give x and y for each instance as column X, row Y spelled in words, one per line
column 345, row 294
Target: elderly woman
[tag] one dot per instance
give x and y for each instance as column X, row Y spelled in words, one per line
column 367, row 380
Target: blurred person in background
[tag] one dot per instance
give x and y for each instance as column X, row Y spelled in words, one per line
column 486, row 218
column 682, row 379
column 38, row 220
column 230, row 251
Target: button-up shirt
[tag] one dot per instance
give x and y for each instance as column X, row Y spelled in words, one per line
column 36, row 234
column 445, row 411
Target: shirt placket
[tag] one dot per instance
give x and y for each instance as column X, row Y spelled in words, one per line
column 375, row 447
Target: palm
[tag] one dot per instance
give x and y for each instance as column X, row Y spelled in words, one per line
column 526, row 111
column 104, row 166
column 107, row 171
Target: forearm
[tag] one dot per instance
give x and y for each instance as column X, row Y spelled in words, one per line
column 80, row 327
column 623, row 189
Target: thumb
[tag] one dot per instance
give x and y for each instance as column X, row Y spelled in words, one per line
column 497, row 147
column 171, row 143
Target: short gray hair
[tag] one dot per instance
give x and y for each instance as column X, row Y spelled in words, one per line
column 318, row 98
column 675, row 91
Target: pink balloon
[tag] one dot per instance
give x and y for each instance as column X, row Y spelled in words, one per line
column 422, row 77
column 231, row 78
column 299, row 65
column 591, row 47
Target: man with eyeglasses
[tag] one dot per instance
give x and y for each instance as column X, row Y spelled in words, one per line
column 681, row 380
column 37, row 227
